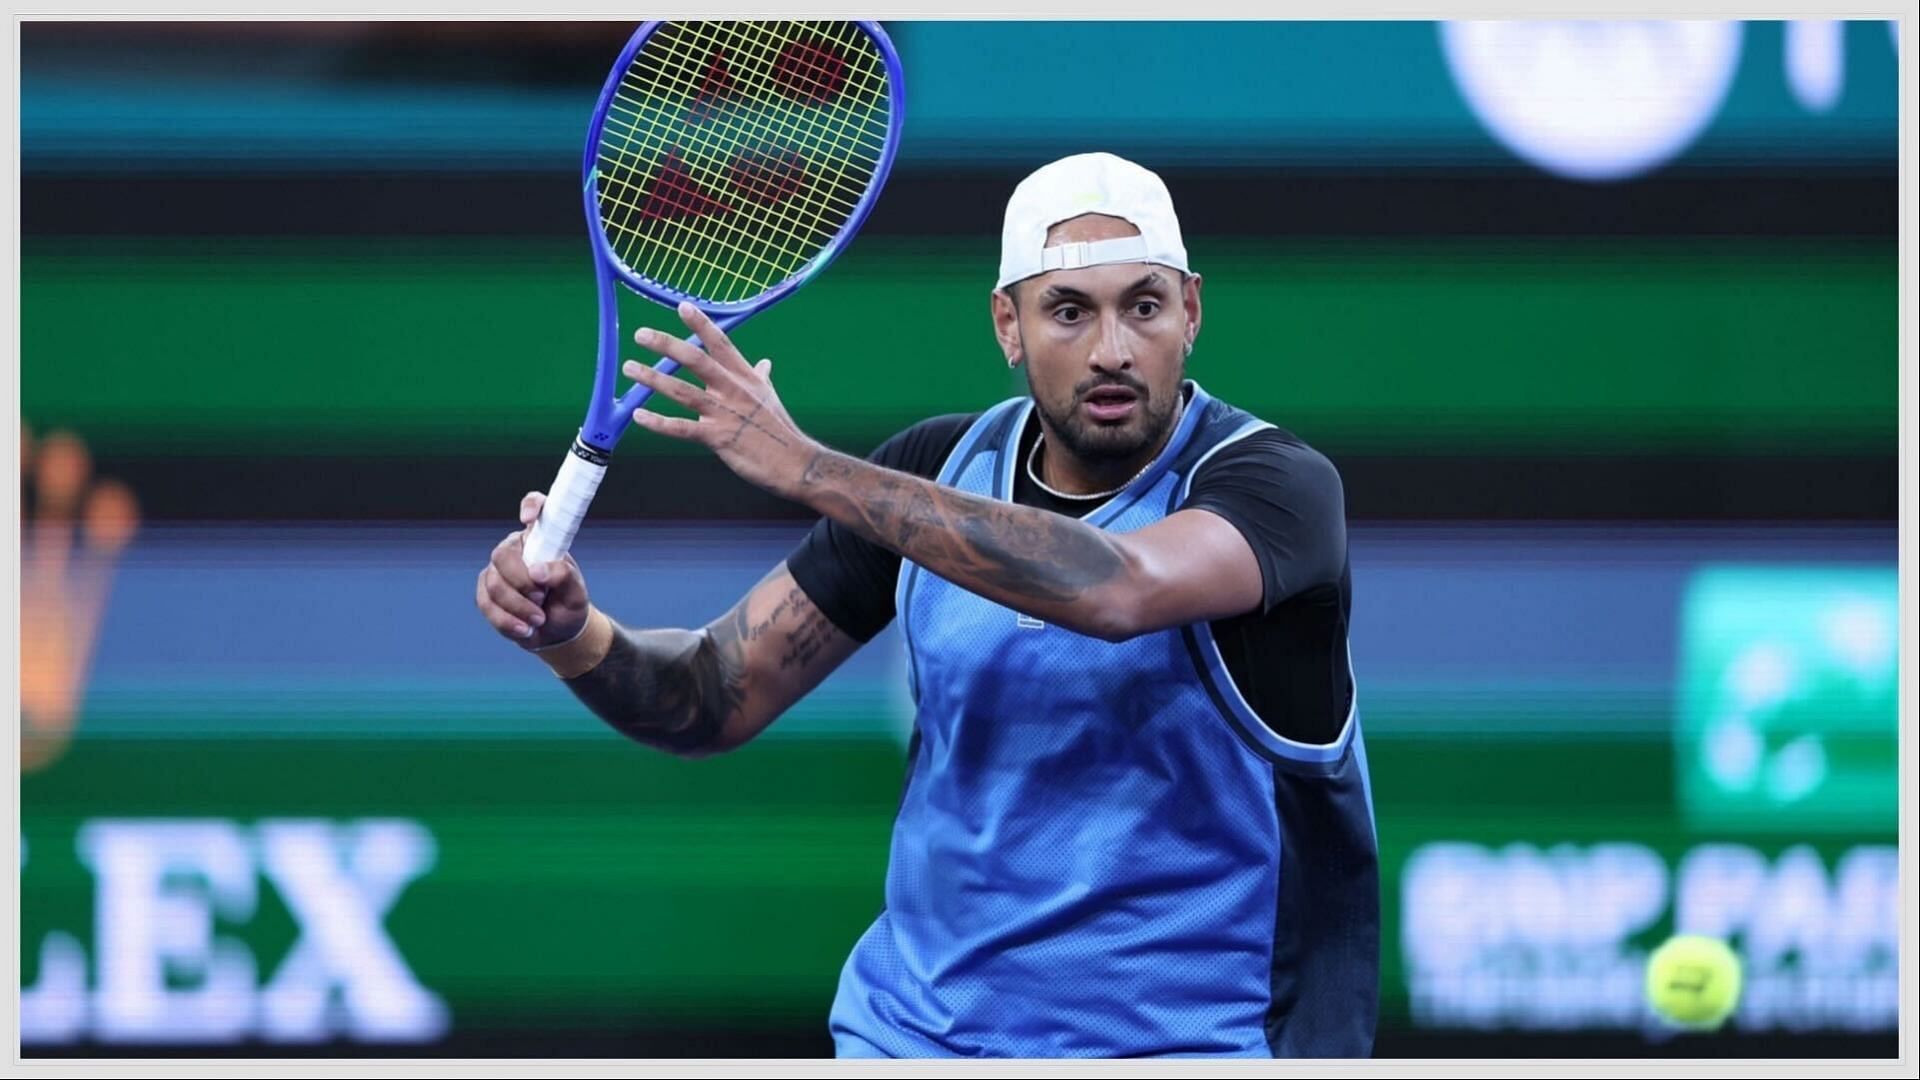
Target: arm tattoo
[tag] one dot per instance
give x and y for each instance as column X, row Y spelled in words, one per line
column 996, row 548
column 670, row 689
column 676, row 690
column 805, row 641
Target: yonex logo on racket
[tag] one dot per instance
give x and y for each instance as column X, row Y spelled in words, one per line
column 732, row 151
column 675, row 193
column 809, row 71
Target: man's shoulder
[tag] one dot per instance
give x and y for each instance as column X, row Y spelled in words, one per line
column 921, row 448
column 945, row 429
column 1268, row 446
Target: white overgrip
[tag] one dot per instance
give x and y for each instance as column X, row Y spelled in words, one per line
column 572, row 492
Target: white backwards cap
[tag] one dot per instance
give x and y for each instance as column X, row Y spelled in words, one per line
column 1088, row 184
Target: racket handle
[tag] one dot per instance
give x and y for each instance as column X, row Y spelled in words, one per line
column 552, row 533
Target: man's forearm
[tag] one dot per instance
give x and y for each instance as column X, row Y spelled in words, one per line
column 1044, row 564
column 670, row 689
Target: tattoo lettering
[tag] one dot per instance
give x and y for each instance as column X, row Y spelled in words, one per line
column 805, row 641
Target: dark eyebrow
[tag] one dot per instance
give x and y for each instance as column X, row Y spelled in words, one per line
column 1056, row 293
column 1053, row 294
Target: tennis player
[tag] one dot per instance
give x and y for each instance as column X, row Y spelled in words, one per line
column 1136, row 818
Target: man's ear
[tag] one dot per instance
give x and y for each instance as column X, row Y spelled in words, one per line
column 1190, row 293
column 1006, row 324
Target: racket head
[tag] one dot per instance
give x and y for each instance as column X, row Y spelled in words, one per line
column 728, row 162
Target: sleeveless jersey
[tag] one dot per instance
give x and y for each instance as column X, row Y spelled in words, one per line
column 1101, row 850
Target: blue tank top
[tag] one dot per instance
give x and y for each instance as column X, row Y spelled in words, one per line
column 1101, row 850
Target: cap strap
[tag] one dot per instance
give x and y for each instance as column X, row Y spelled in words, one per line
column 1095, row 253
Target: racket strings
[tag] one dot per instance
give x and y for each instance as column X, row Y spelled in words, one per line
column 684, row 199
column 795, row 214
column 733, row 152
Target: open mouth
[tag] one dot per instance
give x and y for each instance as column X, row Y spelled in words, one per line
column 1111, row 403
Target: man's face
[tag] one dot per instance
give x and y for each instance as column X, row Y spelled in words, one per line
column 1104, row 346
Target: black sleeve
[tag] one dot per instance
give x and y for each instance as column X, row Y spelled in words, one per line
column 850, row 578
column 1285, row 497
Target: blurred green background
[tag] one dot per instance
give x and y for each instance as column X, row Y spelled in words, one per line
column 1645, row 346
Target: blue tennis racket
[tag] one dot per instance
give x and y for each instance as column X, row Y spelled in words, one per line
column 726, row 165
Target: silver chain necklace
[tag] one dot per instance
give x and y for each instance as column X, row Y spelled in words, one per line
column 1034, row 474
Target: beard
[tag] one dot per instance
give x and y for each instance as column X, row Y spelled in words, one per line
column 1096, row 443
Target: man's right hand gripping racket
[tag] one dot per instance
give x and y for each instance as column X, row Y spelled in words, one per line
column 727, row 164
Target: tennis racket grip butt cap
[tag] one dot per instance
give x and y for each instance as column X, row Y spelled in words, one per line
column 567, row 501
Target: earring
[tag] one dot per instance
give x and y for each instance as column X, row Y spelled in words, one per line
column 1013, row 361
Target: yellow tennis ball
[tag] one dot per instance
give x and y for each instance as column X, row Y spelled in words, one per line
column 1694, row 981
